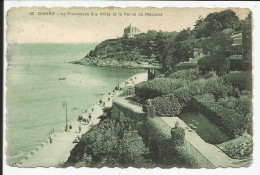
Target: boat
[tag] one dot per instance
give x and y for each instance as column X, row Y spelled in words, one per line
column 62, row 78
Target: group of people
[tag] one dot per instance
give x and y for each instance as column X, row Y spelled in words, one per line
column 86, row 121
column 82, row 119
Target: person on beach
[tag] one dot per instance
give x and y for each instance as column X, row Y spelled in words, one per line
column 79, row 118
column 79, row 128
column 50, row 140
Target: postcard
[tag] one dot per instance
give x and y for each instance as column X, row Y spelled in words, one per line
column 129, row 87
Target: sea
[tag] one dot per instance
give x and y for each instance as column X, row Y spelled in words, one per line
column 35, row 95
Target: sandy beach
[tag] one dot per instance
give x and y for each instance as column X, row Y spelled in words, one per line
column 53, row 154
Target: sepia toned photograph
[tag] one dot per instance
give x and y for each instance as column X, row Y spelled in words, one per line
column 129, row 87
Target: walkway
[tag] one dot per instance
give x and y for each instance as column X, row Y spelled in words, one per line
column 58, row 151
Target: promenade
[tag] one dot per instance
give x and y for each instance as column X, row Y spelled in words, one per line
column 53, row 154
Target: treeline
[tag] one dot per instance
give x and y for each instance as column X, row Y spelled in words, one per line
column 143, row 46
column 212, row 34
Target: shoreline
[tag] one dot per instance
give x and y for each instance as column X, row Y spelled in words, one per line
column 53, row 154
column 127, row 66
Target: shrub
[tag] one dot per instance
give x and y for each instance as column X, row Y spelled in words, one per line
column 240, row 121
column 162, row 147
column 185, row 65
column 183, row 95
column 217, row 87
column 235, row 114
column 110, row 143
column 166, row 105
column 189, row 74
column 241, row 80
column 239, row 148
column 157, row 87
column 211, row 63
column 214, row 85
column 177, row 134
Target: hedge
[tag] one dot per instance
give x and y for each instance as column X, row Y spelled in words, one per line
column 167, row 106
column 185, row 65
column 184, row 88
column 234, row 114
column 189, row 74
column 158, row 87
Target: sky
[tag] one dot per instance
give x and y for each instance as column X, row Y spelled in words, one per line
column 33, row 25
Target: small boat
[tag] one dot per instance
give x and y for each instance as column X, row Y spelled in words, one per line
column 62, row 78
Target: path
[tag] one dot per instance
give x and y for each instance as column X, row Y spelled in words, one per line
column 58, row 151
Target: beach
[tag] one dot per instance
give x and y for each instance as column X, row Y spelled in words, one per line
column 55, row 153
column 36, row 94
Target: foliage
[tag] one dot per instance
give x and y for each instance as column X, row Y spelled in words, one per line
column 247, row 37
column 189, row 74
column 163, row 149
column 110, row 143
column 157, row 87
column 216, row 22
column 212, row 34
column 185, row 65
column 239, row 148
column 107, row 113
column 137, row 49
column 211, row 63
column 240, row 80
column 178, row 135
column 217, row 86
column 178, row 50
column 218, row 43
column 235, row 114
column 166, row 105
column 185, row 85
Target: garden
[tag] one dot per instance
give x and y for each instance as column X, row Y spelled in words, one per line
column 224, row 102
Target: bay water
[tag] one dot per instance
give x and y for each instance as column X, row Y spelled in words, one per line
column 35, row 94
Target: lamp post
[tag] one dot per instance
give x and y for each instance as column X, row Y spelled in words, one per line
column 65, row 105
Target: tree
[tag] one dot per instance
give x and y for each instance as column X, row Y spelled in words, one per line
column 160, row 43
column 247, row 37
column 110, row 143
column 218, row 43
column 216, row 22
